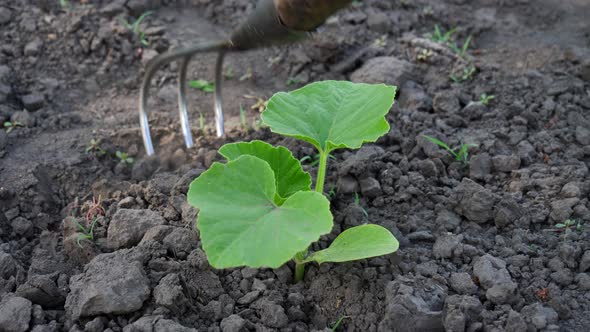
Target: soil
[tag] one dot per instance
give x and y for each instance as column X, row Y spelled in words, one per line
column 481, row 245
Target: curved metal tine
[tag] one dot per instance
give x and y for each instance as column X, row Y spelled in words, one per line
column 186, row 128
column 152, row 68
column 218, row 102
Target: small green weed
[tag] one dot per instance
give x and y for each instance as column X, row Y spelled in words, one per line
column 124, row 158
column 10, row 126
column 65, row 5
column 87, row 231
column 460, row 51
column 134, row 27
column 485, row 99
column 338, row 322
column 357, row 202
column 202, row 85
column 567, row 227
column 462, row 155
column 293, row 81
column 95, row 148
column 439, row 36
column 201, row 121
column 247, row 75
column 465, row 75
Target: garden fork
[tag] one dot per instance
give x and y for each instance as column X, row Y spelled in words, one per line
column 272, row 22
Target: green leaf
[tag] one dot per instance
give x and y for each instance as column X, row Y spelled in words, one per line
column 438, row 142
column 331, row 114
column 240, row 223
column 357, row 243
column 289, row 176
column 202, row 85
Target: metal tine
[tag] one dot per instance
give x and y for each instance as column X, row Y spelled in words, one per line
column 186, row 129
column 158, row 62
column 218, row 102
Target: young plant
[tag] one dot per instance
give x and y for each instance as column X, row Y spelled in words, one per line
column 12, row 125
column 460, row 51
column 134, row 27
column 202, row 85
column 357, row 202
column 87, row 232
column 462, row 155
column 465, row 75
column 338, row 322
column 258, row 209
column 201, row 121
column 64, row 4
column 95, row 148
column 485, row 99
column 439, row 36
column 567, row 227
column 124, row 157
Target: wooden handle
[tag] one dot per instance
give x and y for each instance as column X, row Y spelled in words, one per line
column 306, row 15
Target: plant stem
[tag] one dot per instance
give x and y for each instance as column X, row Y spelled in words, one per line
column 319, row 184
column 299, row 266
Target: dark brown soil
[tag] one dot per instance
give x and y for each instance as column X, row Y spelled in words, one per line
column 480, row 250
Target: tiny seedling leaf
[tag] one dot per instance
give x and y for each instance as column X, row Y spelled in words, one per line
column 289, row 176
column 357, row 243
column 240, row 223
column 202, row 85
column 438, row 142
column 331, row 114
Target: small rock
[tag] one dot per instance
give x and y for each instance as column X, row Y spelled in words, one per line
column 480, row 166
column 15, row 314
column 491, row 271
column 5, row 15
column 379, row 22
column 180, row 242
column 539, row 316
column 248, row 298
column 428, row 168
column 583, row 135
column 562, row 209
column 571, row 190
column 462, row 283
column 95, row 325
column 22, row 227
column 9, row 267
column 170, row 294
column 23, row 117
column 460, row 311
column 507, row 212
column 113, row 283
column 233, row 323
column 583, row 281
column 527, row 153
column 408, row 310
column 506, row 163
column 515, row 322
column 413, row 98
column 370, row 187
column 198, row 259
column 147, row 56
column 347, row 185
column 476, row 203
column 273, row 315
column 127, row 227
column 155, row 323
column 3, row 139
column 584, row 261
column 446, row 102
column 445, row 245
column 42, row 290
column 502, row 293
column 33, row 101
column 384, row 69
column 473, row 111
column 113, row 8
column 33, row 48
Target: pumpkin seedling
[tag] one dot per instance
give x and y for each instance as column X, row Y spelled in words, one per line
column 462, row 155
column 124, row 157
column 258, row 209
column 12, row 125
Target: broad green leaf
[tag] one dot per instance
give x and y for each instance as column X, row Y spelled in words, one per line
column 331, row 114
column 289, row 176
column 240, row 223
column 357, row 243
